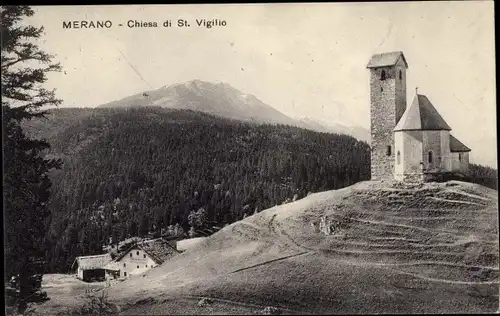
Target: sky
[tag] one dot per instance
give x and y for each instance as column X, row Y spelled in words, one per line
column 306, row 60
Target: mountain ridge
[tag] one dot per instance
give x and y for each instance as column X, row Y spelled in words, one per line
column 223, row 100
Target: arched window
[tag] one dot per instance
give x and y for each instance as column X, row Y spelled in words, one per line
column 137, row 252
column 400, row 75
column 388, row 153
column 430, row 156
column 382, row 75
column 398, row 157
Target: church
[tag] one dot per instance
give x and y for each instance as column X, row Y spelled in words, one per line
column 409, row 143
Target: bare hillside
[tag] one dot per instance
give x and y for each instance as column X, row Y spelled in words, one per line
column 392, row 250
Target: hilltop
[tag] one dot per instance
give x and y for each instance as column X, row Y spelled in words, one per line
column 428, row 249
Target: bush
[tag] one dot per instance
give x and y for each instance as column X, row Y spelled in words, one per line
column 483, row 175
column 96, row 305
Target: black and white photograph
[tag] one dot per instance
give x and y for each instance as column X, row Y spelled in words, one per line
column 250, row 159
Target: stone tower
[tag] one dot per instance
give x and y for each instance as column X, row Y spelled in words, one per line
column 387, row 105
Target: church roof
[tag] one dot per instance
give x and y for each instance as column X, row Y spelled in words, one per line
column 457, row 146
column 386, row 59
column 421, row 115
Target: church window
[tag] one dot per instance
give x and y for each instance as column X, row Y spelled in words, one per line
column 388, row 153
column 137, row 266
column 400, row 75
column 459, row 157
column 144, row 256
column 137, row 252
column 398, row 157
column 124, row 264
column 382, row 75
column 130, row 255
column 430, row 157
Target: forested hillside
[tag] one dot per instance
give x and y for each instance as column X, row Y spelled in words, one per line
column 138, row 170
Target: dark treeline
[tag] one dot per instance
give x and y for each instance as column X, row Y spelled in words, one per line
column 483, row 175
column 130, row 172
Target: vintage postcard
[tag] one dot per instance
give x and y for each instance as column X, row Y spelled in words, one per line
column 323, row 158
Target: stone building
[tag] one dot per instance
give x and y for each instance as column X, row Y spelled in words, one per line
column 408, row 143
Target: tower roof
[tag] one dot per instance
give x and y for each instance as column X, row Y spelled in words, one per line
column 421, row 115
column 457, row 146
column 386, row 59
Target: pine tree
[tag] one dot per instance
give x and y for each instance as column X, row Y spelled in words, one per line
column 26, row 183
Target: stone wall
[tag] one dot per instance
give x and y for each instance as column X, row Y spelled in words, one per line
column 388, row 103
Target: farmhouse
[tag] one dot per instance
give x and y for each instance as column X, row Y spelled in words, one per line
column 140, row 257
column 91, row 268
column 408, row 143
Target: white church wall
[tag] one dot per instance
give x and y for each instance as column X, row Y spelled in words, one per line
column 412, row 141
column 445, row 151
column 399, row 156
column 460, row 162
column 464, row 165
column 431, row 142
column 455, row 162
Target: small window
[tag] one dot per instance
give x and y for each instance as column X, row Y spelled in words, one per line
column 146, row 266
column 137, row 266
column 381, row 89
column 124, row 264
column 130, row 255
column 124, row 273
column 400, row 75
column 144, row 256
column 459, row 157
column 430, row 157
column 137, row 252
column 388, row 153
column 382, row 75
column 398, row 157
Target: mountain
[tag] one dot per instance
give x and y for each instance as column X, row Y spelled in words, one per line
column 223, row 100
column 218, row 99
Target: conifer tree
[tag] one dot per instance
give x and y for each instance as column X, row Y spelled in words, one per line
column 26, row 182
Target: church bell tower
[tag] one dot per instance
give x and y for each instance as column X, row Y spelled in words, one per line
column 387, row 105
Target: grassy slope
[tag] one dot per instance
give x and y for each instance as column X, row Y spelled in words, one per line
column 433, row 249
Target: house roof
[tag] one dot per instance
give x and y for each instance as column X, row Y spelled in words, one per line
column 92, row 262
column 421, row 115
column 457, row 146
column 158, row 249
column 112, row 266
column 386, row 59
